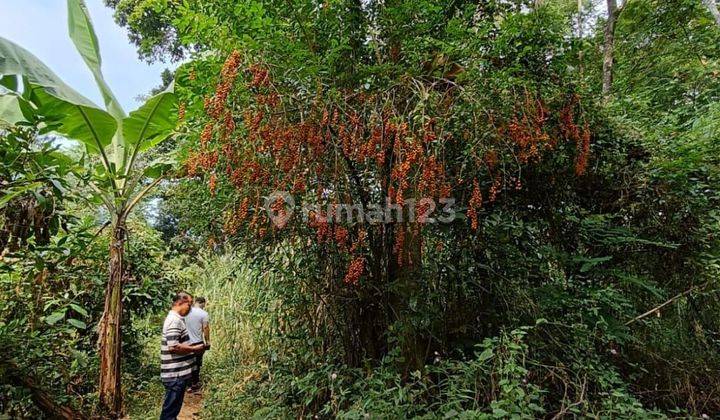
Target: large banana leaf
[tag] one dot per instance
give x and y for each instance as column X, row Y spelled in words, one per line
column 11, row 111
column 82, row 33
column 68, row 112
column 9, row 82
column 152, row 122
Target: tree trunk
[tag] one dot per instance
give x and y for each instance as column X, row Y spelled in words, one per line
column 404, row 272
column 713, row 9
column 367, row 319
column 109, row 329
column 609, row 47
column 580, row 37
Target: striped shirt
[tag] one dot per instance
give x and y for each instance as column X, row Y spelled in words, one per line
column 172, row 365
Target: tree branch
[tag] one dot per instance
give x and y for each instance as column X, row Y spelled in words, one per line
column 667, row 302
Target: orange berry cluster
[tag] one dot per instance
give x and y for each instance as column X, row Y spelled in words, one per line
column 216, row 107
column 212, row 183
column 355, row 270
column 527, row 131
column 260, row 76
column 474, row 205
column 572, row 131
column 334, row 148
column 583, row 151
column 203, row 160
column 323, row 230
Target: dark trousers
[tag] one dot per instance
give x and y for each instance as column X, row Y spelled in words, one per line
column 174, row 395
column 195, row 379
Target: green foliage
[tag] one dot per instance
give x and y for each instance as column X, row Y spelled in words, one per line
column 37, row 178
column 116, row 139
column 53, row 294
column 536, row 313
column 52, row 274
column 584, row 254
column 258, row 368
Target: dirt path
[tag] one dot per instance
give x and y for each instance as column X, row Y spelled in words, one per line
column 191, row 406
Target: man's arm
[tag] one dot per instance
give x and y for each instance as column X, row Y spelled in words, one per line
column 182, row 348
column 206, row 333
column 173, row 334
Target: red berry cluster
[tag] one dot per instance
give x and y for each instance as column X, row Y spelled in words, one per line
column 572, row 131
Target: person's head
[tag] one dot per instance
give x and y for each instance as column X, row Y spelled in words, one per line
column 200, row 302
column 182, row 302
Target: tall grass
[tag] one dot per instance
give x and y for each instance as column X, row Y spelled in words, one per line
column 239, row 326
column 227, row 284
column 239, row 333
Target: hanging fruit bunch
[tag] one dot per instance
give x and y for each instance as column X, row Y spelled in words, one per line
column 332, row 148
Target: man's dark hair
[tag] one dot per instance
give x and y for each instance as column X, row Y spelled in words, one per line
column 180, row 297
column 200, row 300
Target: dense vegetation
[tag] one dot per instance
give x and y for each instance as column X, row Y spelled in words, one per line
column 580, row 276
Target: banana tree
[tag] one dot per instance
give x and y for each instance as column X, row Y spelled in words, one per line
column 31, row 93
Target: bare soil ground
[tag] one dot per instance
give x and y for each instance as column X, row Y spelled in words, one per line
column 191, row 406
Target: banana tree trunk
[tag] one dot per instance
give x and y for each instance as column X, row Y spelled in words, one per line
column 109, row 330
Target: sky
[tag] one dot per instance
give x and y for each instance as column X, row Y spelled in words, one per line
column 40, row 26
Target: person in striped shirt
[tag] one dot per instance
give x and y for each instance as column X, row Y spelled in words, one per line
column 177, row 356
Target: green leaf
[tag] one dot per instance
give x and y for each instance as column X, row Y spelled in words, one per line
column 82, row 33
column 11, row 193
column 10, row 111
column 67, row 112
column 15, row 60
column 91, row 126
column 485, row 355
column 499, row 412
column 159, row 166
column 13, row 107
column 153, row 121
column 79, row 309
column 54, row 317
column 77, row 323
column 589, row 263
column 10, row 82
